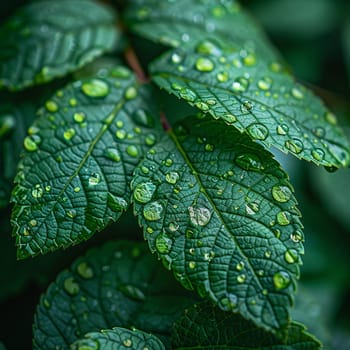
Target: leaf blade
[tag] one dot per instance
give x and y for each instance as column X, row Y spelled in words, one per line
column 221, row 214
column 43, row 41
column 80, row 155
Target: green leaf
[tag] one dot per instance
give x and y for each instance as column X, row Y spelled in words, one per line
column 80, row 155
column 206, row 327
column 15, row 118
column 254, row 95
column 183, row 22
column 46, row 40
column 118, row 338
column 220, row 213
column 119, row 284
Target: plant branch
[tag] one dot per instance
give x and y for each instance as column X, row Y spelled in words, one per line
column 135, row 65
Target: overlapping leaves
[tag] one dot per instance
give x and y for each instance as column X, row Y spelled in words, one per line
column 183, row 22
column 80, row 155
column 119, row 284
column 45, row 40
column 254, row 95
column 206, row 327
column 220, row 213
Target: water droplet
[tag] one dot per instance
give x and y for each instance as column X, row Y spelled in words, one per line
column 130, row 93
column 31, row 143
column 291, row 256
column 246, row 107
column 192, row 265
column 112, row 153
column 265, row 83
column 144, row 191
column 230, row 118
column 209, row 148
column 319, row 131
column 241, row 278
column 282, row 129
column 268, row 254
column 77, row 189
column 95, row 88
column 176, row 58
column 240, row 84
column 276, row 67
column 163, row 243
column 127, row 343
column 79, row 117
column 249, row 60
column 51, row 106
column 258, row 131
column 296, row 93
column 172, row 177
column 283, row 218
column 294, row 145
column 207, row 47
column 143, row 118
column 120, row 72
column 71, row 286
column 121, row 134
column 281, row 280
column 240, row 266
column 7, row 124
column 222, row 77
column 249, row 161
column 317, row 154
column 331, row 118
column 188, row 94
column 94, row 179
column 153, row 211
column 229, row 302
column 72, row 213
column 251, row 208
column 85, row 271
column 37, row 191
column 69, row 133
column 116, row 203
column 202, row 106
column 199, row 216
column 281, row 193
column 132, row 292
column 168, row 162
column 297, row 236
column 204, row 64
column 339, row 153
column 132, row 151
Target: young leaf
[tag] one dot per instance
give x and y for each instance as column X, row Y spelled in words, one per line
column 80, row 155
column 183, row 22
column 119, row 284
column 220, row 213
column 118, row 338
column 206, row 327
column 46, row 39
column 254, row 95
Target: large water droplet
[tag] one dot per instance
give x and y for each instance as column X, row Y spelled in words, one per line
column 281, row 193
column 51, row 106
column 241, row 278
column 294, row 145
column 85, row 271
column 130, row 93
column 291, row 256
column 95, row 88
column 281, row 280
column 79, row 117
column 258, row 131
column 297, row 93
column 249, row 161
column 251, row 208
column 71, row 286
column 153, row 211
column 283, row 218
column 240, row 84
column 94, row 179
column 199, row 216
column 222, row 76
column 163, row 243
column 143, row 118
column 69, row 134
column 144, row 191
column 282, row 129
column 132, row 151
column 207, row 47
column 249, row 60
column 265, row 83
column 204, row 64
column 331, row 118
column 112, row 153
column 31, row 143
column 188, row 94
column 172, row 177
column 120, row 72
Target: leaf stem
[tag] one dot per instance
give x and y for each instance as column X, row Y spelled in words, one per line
column 135, row 65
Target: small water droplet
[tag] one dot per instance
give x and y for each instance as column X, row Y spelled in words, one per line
column 241, row 278
column 283, row 218
column 127, row 343
column 192, row 265
column 163, row 243
column 246, row 107
column 172, row 177
column 251, row 208
column 51, row 106
column 282, row 129
column 297, row 236
column 132, row 151
column 229, row 302
column 71, row 286
column 240, row 84
column 31, row 143
column 268, row 254
column 121, row 134
column 69, row 134
column 132, row 292
column 33, row 222
column 249, row 161
column 291, row 256
column 317, row 154
column 258, row 131
column 84, row 270
column 176, row 58
column 265, row 83
column 153, row 211
column 112, row 153
column 222, row 76
column 209, row 147
column 276, row 67
column 297, row 93
column 294, row 145
column 37, row 191
column 120, row 72
column 143, row 118
column 331, row 118
column 95, row 88
column 199, row 216
column 230, row 118
column 204, row 64
column 188, row 94
column 72, row 213
column 79, row 117
column 240, row 266
column 281, row 193
column 168, row 162
column 144, row 191
column 207, row 47
column 249, row 60
column 94, row 179
column 319, row 132
column 202, row 106
column 281, row 280
column 130, row 93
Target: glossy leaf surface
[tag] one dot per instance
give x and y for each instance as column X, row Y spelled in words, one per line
column 220, row 212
